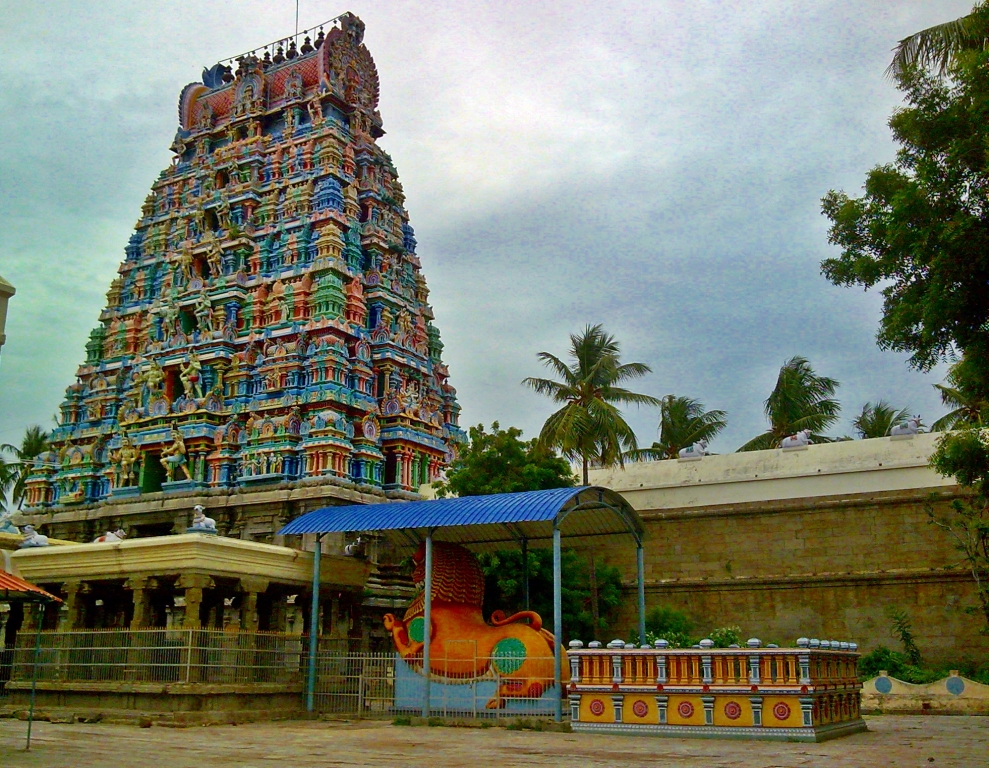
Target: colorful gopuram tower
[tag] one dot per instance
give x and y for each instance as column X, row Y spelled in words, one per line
column 269, row 326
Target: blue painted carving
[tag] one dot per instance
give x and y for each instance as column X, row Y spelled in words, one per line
column 328, row 195
column 409, row 238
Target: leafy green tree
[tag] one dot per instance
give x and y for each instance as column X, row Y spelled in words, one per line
column 589, row 426
column 6, row 480
column 876, row 420
column 504, row 590
column 801, row 400
column 964, row 393
column 964, row 455
column 683, row 422
column 501, row 462
column 939, row 47
column 670, row 624
column 920, row 233
column 35, row 441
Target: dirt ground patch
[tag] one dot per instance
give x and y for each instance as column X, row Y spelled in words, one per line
column 945, row 742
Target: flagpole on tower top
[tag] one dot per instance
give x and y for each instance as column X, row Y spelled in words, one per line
column 296, row 18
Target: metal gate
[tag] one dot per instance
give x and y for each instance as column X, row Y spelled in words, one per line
column 382, row 684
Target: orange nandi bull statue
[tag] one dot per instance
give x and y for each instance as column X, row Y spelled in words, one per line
column 463, row 646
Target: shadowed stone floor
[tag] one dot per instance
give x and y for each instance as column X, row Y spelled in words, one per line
column 944, row 742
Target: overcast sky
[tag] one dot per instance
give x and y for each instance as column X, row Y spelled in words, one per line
column 655, row 167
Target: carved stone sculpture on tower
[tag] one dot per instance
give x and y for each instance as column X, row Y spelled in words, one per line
column 173, row 456
column 124, row 460
column 191, row 376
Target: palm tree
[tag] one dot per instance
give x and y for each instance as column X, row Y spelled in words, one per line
column 801, row 400
column 963, row 397
column 6, row 481
column 589, row 426
column 877, row 420
column 35, row 441
column 682, row 422
column 938, row 47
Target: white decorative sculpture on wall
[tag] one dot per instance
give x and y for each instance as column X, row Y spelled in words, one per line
column 6, row 524
column 799, row 440
column 201, row 523
column 111, row 537
column 696, row 451
column 911, row 428
column 32, row 538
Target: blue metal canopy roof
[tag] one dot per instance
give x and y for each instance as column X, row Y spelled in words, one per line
column 485, row 522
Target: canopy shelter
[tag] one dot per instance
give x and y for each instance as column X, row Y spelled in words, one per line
column 14, row 589
column 586, row 517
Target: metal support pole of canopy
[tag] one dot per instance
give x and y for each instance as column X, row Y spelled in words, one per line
column 427, row 619
column 558, row 621
column 314, row 626
column 641, row 579
column 525, row 572
column 40, row 618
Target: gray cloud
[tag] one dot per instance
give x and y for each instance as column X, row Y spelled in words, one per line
column 655, row 167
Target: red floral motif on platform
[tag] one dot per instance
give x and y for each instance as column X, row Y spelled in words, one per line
column 781, row 711
column 732, row 710
column 686, row 709
column 640, row 708
column 596, row 707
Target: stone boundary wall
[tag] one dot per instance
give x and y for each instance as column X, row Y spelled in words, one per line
column 952, row 695
column 821, row 540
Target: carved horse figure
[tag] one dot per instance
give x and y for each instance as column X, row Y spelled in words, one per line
column 463, row 646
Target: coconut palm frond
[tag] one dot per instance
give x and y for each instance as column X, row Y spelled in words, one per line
column 936, row 48
column 590, row 426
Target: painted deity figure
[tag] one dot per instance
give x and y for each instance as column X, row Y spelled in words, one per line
column 124, row 459
column 174, row 456
column 170, row 313
column 383, row 328
column 214, row 255
column 191, row 376
column 183, row 262
column 152, row 378
column 405, row 326
column 204, row 313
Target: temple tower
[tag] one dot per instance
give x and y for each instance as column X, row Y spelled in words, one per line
column 269, row 326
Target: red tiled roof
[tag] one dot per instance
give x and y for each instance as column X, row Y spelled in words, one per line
column 14, row 588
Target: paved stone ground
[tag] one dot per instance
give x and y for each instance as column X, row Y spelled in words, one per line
column 945, row 742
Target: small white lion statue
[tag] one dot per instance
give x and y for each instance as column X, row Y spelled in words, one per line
column 200, row 522
column 32, row 538
column 799, row 440
column 695, row 451
column 912, row 427
column 111, row 537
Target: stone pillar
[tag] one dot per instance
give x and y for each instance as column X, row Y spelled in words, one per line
column 661, row 705
column 756, row 702
column 193, row 584
column 708, row 702
column 139, row 586
column 249, row 606
column 73, row 605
